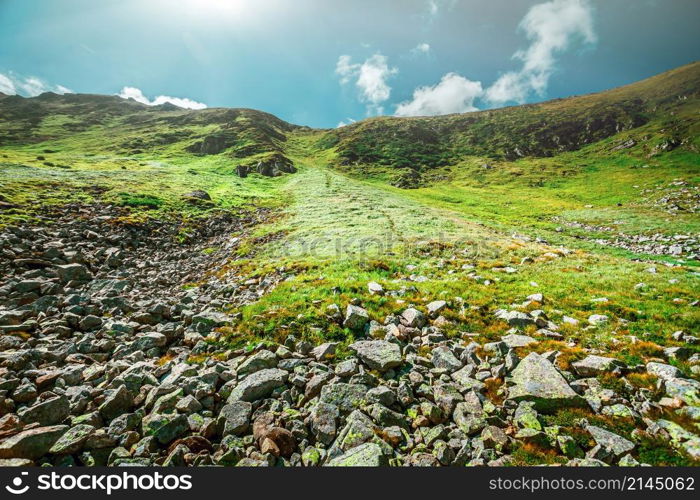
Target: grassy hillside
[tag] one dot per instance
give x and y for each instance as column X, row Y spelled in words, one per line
column 592, row 201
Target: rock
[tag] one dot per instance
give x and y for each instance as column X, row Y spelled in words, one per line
column 443, row 358
column 197, row 194
column 355, row 318
column 365, row 455
column 72, row 441
column 258, row 361
column 323, row 422
column 33, row 443
column 686, row 390
column 610, row 441
column 258, row 385
column 592, row 366
column 598, row 319
column 436, row 307
column 234, row 417
column 73, row 272
column 47, row 412
column 515, row 318
column 513, row 340
column 324, row 352
column 663, row 371
column 118, row 402
column 413, row 318
column 165, row 428
column 358, row 429
column 378, row 354
column 345, row 397
column 375, row 288
column 537, row 380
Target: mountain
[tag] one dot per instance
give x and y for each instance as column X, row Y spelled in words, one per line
column 220, row 287
column 670, row 100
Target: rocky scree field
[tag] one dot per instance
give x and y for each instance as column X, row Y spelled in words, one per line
column 219, row 287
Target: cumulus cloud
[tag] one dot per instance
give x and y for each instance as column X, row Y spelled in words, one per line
column 421, row 48
column 433, row 8
column 552, row 27
column 343, row 123
column 137, row 95
column 453, row 94
column 29, row 86
column 370, row 78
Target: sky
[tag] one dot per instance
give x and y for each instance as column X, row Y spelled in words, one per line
column 327, row 63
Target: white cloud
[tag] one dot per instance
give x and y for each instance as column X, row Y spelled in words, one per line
column 433, row 8
column 551, row 27
column 182, row 102
column 453, row 94
column 6, row 85
column 370, row 78
column 421, row 48
column 29, row 86
column 343, row 123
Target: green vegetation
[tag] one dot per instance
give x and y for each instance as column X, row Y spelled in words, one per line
column 538, row 188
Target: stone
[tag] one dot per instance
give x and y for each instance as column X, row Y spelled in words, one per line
column 443, row 358
column 378, row 354
column 663, row 371
column 258, row 361
column 365, row 455
column 346, row 397
column 47, row 412
column 413, row 318
column 73, row 272
column 686, row 390
column 234, row 417
column 258, row 385
column 375, row 288
column 598, row 319
column 515, row 318
column 355, row 318
column 72, row 441
column 324, row 351
column 610, row 441
column 536, row 379
column 118, row 402
column 513, row 340
column 592, row 366
column 33, row 443
column 436, row 307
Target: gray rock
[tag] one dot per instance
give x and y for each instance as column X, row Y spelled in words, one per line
column 346, row 397
column 413, row 318
column 47, row 412
column 258, row 361
column 610, row 441
column 73, row 272
column 537, row 380
column 513, row 340
column 378, row 354
column 72, row 441
column 444, row 358
column 31, row 444
column 365, row 455
column 235, row 417
column 663, row 371
column 592, row 366
column 118, row 402
column 355, row 318
column 258, row 385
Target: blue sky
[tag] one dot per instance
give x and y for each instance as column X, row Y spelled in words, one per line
column 323, row 62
